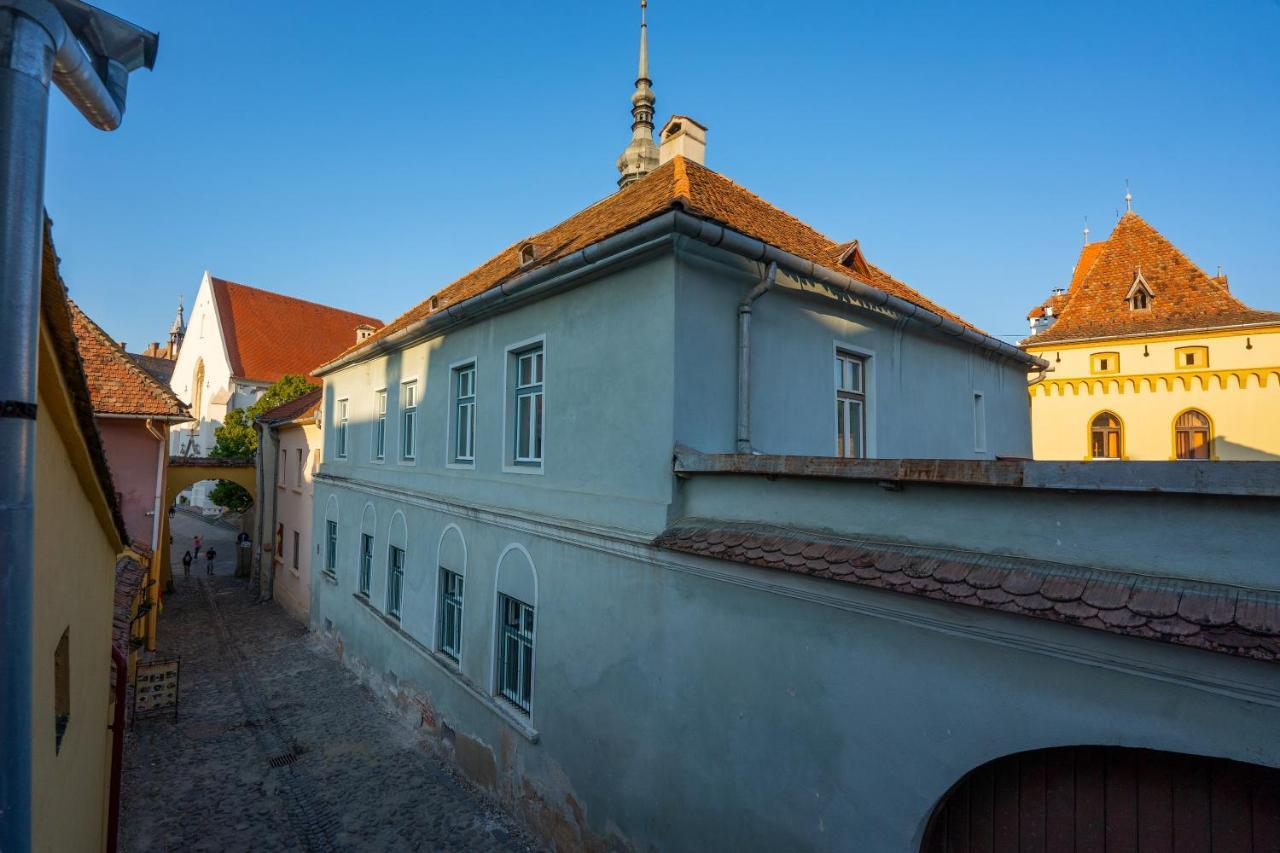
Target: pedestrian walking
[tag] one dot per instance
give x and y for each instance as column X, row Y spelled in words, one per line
column 186, row 564
column 209, row 555
column 196, row 549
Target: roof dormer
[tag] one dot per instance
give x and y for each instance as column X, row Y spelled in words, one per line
column 852, row 258
column 1140, row 293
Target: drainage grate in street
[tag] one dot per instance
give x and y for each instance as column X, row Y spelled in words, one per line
column 283, row 760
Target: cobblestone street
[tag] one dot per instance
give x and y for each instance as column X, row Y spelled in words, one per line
column 277, row 747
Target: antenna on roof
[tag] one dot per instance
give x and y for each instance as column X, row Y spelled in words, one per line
column 1128, row 197
column 1086, row 230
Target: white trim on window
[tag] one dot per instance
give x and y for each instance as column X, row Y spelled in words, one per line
column 408, row 415
column 979, row 422
column 342, row 431
column 495, row 684
column 511, row 354
column 378, row 427
column 451, row 422
column 869, row 362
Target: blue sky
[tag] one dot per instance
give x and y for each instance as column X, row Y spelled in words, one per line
column 364, row 155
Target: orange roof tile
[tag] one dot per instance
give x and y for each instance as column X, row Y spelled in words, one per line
column 294, row 410
column 117, row 384
column 678, row 183
column 270, row 335
column 1183, row 297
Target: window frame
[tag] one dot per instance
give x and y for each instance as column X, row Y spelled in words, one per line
column 395, row 580
column 297, row 545
column 331, row 546
column 408, row 438
column 1095, row 363
column 448, row 602
column 1200, row 360
column 512, row 463
column 1178, row 431
column 282, row 475
column 979, row 422
column 1119, row 430
column 843, row 397
column 522, row 697
column 378, row 438
column 342, row 423
column 364, row 569
column 456, row 401
column 302, row 468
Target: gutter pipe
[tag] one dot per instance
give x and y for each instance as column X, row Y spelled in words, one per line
column 744, row 356
column 643, row 238
column 117, row 747
column 36, row 47
column 162, row 463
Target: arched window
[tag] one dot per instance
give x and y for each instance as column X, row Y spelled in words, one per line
column 449, row 608
column 397, row 537
column 368, row 524
column 1192, row 435
column 1106, row 436
column 197, row 389
column 517, row 588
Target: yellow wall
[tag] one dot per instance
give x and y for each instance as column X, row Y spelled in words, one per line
column 74, row 584
column 1239, row 390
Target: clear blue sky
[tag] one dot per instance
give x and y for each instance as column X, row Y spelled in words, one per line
column 364, row 155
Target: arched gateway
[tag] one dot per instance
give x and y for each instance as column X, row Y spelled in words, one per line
column 1105, row 799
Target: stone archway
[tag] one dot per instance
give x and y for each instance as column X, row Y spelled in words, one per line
column 1108, row 798
column 186, row 471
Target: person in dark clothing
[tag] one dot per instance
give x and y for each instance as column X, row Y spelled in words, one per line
column 209, row 555
column 186, row 564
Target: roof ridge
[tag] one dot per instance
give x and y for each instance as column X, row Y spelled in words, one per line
column 122, row 357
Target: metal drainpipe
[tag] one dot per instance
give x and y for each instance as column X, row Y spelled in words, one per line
column 36, row 47
column 744, row 357
column 153, row 615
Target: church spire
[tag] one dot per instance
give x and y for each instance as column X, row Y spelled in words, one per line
column 640, row 157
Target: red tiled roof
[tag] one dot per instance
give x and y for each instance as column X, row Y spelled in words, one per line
column 295, row 409
column 117, row 384
column 1206, row 616
column 1183, row 297
column 270, row 335
column 678, row 183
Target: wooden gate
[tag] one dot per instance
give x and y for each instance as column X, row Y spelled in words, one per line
column 1109, row 800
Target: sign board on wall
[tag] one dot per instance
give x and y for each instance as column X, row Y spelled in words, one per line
column 155, row 686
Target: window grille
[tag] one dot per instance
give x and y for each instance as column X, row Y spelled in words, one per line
column 395, row 580
column 450, row 639
column 515, row 664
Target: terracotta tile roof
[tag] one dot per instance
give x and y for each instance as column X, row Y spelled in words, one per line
column 1183, row 297
column 270, row 335
column 130, row 575
column 678, row 183
column 1206, row 616
column 55, row 311
column 117, row 384
column 160, row 369
column 1055, row 301
column 296, row 409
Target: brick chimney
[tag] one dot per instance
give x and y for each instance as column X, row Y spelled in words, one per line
column 363, row 331
column 683, row 137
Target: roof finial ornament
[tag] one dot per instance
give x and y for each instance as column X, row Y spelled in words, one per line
column 1128, row 197
column 1086, row 230
column 640, row 157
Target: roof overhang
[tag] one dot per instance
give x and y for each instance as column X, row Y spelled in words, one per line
column 1159, row 333
column 642, row 238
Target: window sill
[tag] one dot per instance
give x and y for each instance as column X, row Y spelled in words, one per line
column 522, row 468
column 499, row 707
column 407, row 462
column 461, row 466
column 330, row 576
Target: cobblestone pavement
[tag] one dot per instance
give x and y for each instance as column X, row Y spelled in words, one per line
column 256, row 693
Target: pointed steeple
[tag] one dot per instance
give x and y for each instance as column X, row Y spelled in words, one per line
column 640, row 157
column 177, row 331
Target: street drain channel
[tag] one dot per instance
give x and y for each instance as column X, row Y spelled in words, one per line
column 283, row 760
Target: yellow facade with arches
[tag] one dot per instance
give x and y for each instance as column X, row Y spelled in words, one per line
column 1234, row 398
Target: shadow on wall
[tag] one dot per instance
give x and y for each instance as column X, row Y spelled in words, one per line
column 1235, row 452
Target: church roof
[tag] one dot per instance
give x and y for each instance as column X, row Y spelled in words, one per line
column 118, row 385
column 1183, row 297
column 270, row 335
column 680, row 184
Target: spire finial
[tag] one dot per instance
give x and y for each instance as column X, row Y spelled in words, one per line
column 1086, row 230
column 1128, row 197
column 641, row 156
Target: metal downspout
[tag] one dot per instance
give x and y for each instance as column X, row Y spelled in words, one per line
column 744, row 357
column 153, row 595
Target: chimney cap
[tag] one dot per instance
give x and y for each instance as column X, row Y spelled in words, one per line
column 684, row 137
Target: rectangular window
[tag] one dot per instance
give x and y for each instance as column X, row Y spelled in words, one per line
column 464, row 413
column 851, row 405
column 296, row 545
column 366, row 562
column 331, row 546
column 341, row 440
column 979, row 423
column 380, row 425
column 395, row 580
column 450, row 639
column 1185, row 357
column 302, row 458
column 1104, row 362
column 284, row 461
column 528, row 408
column 408, row 418
column 515, row 653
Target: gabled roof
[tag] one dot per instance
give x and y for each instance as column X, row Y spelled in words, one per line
column 161, row 369
column 1184, row 298
column 117, row 384
column 270, row 335
column 296, row 409
column 677, row 184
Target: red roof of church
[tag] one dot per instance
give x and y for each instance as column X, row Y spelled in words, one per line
column 117, row 384
column 270, row 335
column 1183, row 297
column 677, row 184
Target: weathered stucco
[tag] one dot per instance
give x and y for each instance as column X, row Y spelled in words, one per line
column 133, row 456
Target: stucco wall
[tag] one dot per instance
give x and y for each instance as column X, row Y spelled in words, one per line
column 1239, row 391
column 673, row 696
column 292, row 586
column 133, row 457
column 74, row 585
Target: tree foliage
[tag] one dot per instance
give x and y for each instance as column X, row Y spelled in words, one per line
column 236, row 438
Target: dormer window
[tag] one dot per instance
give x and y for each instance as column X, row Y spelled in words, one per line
column 1140, row 294
column 528, row 254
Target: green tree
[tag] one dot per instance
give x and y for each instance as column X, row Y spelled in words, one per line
column 237, row 439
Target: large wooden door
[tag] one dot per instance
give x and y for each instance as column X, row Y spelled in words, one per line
column 1109, row 800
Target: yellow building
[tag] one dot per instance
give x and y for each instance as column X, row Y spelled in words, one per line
column 1152, row 359
column 78, row 532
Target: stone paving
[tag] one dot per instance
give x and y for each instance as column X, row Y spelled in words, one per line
column 277, row 747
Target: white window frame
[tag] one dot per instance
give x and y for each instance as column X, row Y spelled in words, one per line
column 331, row 546
column 342, row 418
column 408, row 438
column 302, row 467
column 392, row 571
column 282, row 476
column 364, row 563
column 523, row 705
column 512, row 353
column 867, row 357
column 453, row 424
column 379, row 432
column 444, row 602
column 979, row 422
